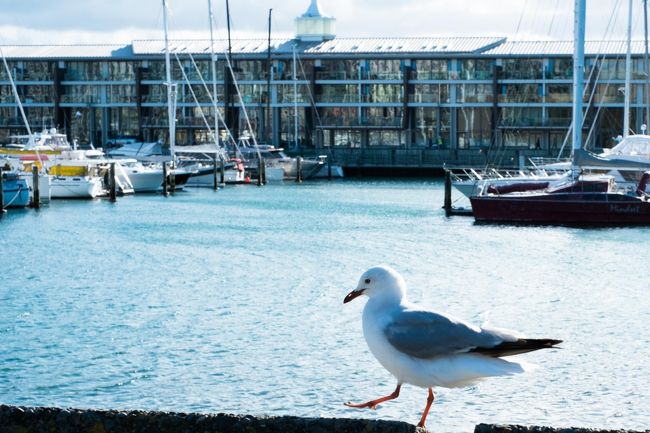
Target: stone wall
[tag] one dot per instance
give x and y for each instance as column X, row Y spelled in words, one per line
column 15, row 419
column 52, row 420
column 492, row 428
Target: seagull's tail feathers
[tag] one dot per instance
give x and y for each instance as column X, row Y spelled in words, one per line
column 522, row 345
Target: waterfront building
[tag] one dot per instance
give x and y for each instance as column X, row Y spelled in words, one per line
column 394, row 102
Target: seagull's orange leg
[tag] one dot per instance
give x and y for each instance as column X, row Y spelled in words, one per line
column 426, row 409
column 372, row 404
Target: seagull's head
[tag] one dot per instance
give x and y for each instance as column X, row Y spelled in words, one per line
column 379, row 282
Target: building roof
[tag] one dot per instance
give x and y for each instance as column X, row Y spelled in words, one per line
column 76, row 51
column 429, row 45
column 202, row 46
column 422, row 45
column 563, row 48
column 489, row 46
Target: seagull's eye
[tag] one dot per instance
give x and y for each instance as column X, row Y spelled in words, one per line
column 367, row 281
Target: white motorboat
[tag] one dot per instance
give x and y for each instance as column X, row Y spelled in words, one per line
column 144, row 177
column 470, row 182
column 84, row 174
column 204, row 173
column 47, row 140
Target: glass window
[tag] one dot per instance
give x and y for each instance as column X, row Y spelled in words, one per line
column 86, row 94
column 124, row 94
column 559, row 116
column 248, row 70
column 383, row 116
column 523, row 69
column 287, row 95
column 521, row 116
column 123, row 122
column 385, row 138
column 559, row 93
column 475, row 93
column 560, row 69
column 347, row 138
column 340, row 70
column 378, row 93
column 385, row 69
column 283, row 69
column 83, row 71
column 520, row 93
column 339, row 116
column 432, row 126
column 430, row 93
column 611, row 69
column 121, row 71
column 343, row 93
column 474, row 127
column 432, row 69
column 476, row 69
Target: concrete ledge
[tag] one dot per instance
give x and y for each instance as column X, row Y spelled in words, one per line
column 495, row 428
column 15, row 419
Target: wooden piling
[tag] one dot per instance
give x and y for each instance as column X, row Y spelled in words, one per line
column 36, row 190
column 260, row 169
column 215, row 184
column 2, row 194
column 447, row 203
column 299, row 169
column 222, row 169
column 172, row 177
column 112, row 183
column 263, row 171
column 165, row 190
column 329, row 168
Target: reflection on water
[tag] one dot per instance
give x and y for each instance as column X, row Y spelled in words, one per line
column 232, row 302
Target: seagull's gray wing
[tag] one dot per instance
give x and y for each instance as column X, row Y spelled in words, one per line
column 426, row 334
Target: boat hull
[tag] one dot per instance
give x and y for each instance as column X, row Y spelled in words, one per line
column 15, row 193
column 563, row 209
column 76, row 187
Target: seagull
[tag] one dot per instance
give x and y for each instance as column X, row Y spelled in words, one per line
column 427, row 348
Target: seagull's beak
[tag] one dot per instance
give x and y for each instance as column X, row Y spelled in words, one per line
column 353, row 294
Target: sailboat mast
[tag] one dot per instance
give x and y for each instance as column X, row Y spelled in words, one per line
column 171, row 92
column 646, row 90
column 628, row 73
column 213, row 63
column 268, row 85
column 578, row 76
column 295, row 99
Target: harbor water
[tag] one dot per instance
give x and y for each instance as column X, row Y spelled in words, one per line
column 231, row 301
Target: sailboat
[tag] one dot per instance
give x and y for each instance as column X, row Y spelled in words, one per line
column 578, row 200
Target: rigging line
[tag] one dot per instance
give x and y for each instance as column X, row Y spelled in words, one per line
column 601, row 48
column 212, row 102
column 243, row 107
column 611, row 23
column 555, row 14
column 189, row 86
column 521, row 17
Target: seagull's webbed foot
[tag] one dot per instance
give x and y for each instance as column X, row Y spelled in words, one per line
column 372, row 404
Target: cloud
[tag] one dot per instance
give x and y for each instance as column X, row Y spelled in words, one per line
column 74, row 21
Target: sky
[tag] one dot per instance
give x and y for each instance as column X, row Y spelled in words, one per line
column 121, row 21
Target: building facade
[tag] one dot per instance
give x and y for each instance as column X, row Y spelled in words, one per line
column 384, row 101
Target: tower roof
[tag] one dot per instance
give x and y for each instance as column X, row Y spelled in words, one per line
column 314, row 11
column 313, row 25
